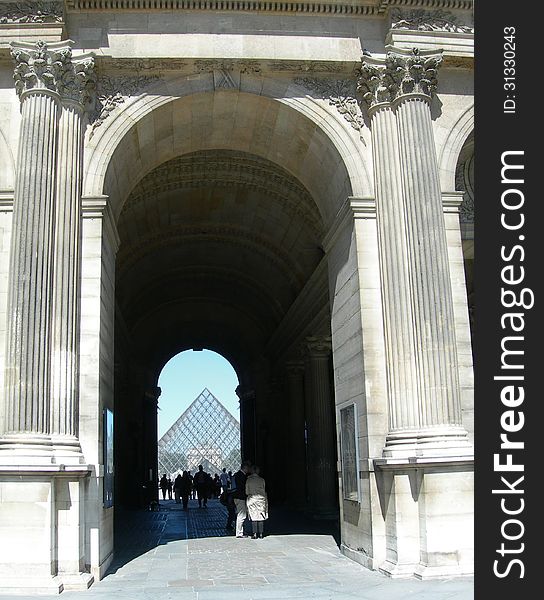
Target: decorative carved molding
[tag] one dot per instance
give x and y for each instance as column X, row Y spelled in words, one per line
column 423, row 20
column 136, row 65
column 464, row 181
column 340, row 93
column 212, row 65
column 31, row 12
column 327, row 7
column 41, row 67
column 113, row 91
column 228, row 169
column 314, row 66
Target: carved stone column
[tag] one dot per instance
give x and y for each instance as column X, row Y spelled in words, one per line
column 320, row 422
column 424, row 399
column 41, row 356
column 247, row 422
column 376, row 86
column 296, row 433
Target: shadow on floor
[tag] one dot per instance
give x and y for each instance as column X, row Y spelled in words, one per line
column 137, row 532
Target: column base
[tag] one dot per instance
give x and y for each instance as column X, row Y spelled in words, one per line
column 396, row 570
column 439, row 441
column 77, row 582
column 36, row 450
column 42, row 527
column 429, row 516
column 424, row 572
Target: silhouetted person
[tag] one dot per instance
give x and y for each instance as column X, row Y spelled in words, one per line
column 193, row 488
column 239, row 495
column 216, row 486
column 163, row 484
column 186, row 486
column 177, row 488
column 200, row 482
column 225, row 480
column 169, row 489
column 257, row 502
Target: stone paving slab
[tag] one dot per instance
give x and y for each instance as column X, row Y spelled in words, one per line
column 188, row 555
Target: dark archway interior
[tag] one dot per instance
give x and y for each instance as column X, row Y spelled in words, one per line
column 216, row 246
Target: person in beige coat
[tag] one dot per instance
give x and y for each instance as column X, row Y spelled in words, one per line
column 257, row 502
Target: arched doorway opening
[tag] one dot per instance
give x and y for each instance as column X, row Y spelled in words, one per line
column 198, row 416
column 232, row 229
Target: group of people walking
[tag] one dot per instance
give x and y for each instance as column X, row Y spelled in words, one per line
column 185, row 486
column 243, row 494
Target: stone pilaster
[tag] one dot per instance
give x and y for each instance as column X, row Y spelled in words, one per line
column 41, row 353
column 320, row 423
column 424, row 401
column 76, row 87
column 296, row 441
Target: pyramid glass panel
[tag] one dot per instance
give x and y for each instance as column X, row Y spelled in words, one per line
column 205, row 434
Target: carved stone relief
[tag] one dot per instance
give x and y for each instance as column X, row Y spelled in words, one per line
column 31, row 12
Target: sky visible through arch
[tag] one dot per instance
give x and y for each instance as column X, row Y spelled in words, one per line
column 183, row 378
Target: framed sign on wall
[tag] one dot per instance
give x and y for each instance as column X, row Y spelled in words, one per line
column 108, row 458
column 349, row 453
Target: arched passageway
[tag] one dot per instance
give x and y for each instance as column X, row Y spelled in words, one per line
column 215, row 246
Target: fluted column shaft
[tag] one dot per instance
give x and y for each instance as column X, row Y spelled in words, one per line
column 29, row 323
column 429, row 268
column 42, row 340
column 394, row 271
column 422, row 369
column 66, row 272
column 296, row 440
column 320, row 423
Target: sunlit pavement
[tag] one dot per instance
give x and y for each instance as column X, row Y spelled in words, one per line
column 175, row 554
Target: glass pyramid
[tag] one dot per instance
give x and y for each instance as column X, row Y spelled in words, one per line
column 205, row 434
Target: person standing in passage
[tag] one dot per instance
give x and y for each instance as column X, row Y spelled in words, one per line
column 170, row 485
column 177, row 487
column 225, row 480
column 257, row 502
column 200, row 481
column 186, row 486
column 163, row 484
column 216, row 486
column 239, row 496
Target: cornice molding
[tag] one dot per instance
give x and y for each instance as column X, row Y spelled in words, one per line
column 328, row 7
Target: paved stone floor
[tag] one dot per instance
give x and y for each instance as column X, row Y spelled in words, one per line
column 178, row 555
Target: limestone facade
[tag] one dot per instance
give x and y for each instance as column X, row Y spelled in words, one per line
column 289, row 184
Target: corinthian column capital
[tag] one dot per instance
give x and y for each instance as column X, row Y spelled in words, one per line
column 51, row 68
column 318, row 347
column 413, row 71
column 374, row 83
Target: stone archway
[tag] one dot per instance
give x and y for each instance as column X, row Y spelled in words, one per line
column 213, row 214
